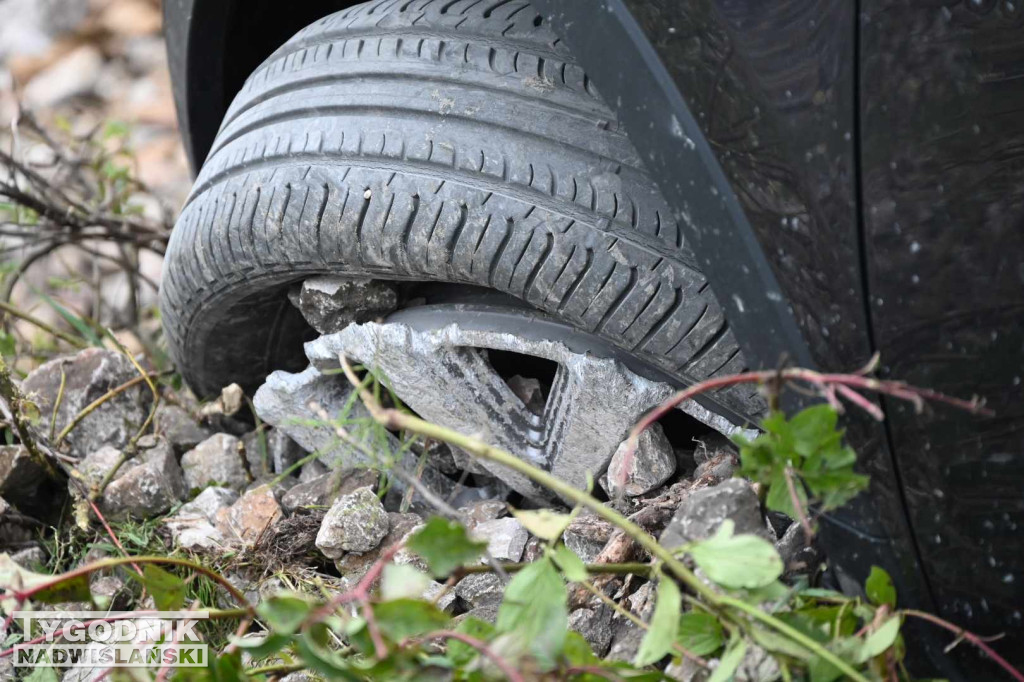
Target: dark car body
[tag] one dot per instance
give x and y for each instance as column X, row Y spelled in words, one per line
column 852, row 177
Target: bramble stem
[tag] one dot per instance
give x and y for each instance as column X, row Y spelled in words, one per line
column 970, row 637
column 392, row 418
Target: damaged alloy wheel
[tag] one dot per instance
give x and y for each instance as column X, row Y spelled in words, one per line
column 425, row 142
column 458, row 358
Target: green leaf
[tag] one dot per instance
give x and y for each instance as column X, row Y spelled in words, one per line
column 284, row 613
column 14, row 578
column 544, row 523
column 813, row 429
column 535, row 611
column 572, row 566
column 879, row 588
column 8, row 344
column 777, row 643
column 328, row 663
column 42, row 674
column 401, row 618
column 664, row 625
column 261, row 647
column 879, row 640
column 80, row 326
column 168, row 590
column 577, row 650
column 779, row 498
column 402, row 581
column 460, row 653
column 736, row 561
column 730, row 660
column 700, row 633
column 445, row 546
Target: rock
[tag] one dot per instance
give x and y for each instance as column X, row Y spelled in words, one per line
column 478, row 589
column 145, row 486
column 89, row 375
column 528, row 390
column 353, row 566
column 29, row 26
column 331, row 303
column 712, row 445
column 757, row 666
column 791, row 543
column 280, row 486
column 312, row 469
column 356, row 522
column 484, row 510
column 506, row 538
column 300, row 676
column 281, row 451
column 207, row 503
column 488, row 613
column 445, row 598
column 178, row 427
column 595, row 625
column 249, row 517
column 534, row 550
column 719, row 468
column 199, row 535
column 797, row 556
column 73, row 75
column 587, row 535
column 218, row 461
column 324, row 490
column 144, row 54
column 25, row 484
column 599, row 399
column 650, row 465
column 703, row 511
column 109, row 593
column 130, row 18
column 626, row 636
column 31, row 559
column 192, row 526
column 686, row 671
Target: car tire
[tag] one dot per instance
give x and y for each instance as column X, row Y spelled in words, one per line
column 434, row 141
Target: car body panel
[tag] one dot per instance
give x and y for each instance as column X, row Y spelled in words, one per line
column 942, row 102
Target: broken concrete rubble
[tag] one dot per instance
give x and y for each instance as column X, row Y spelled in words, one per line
column 250, row 516
column 193, row 525
column 649, row 465
column 332, row 303
column 146, row 485
column 703, row 511
column 323, row 490
column 25, row 484
column 218, row 460
column 356, row 522
column 178, row 427
column 89, row 375
column 506, row 538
